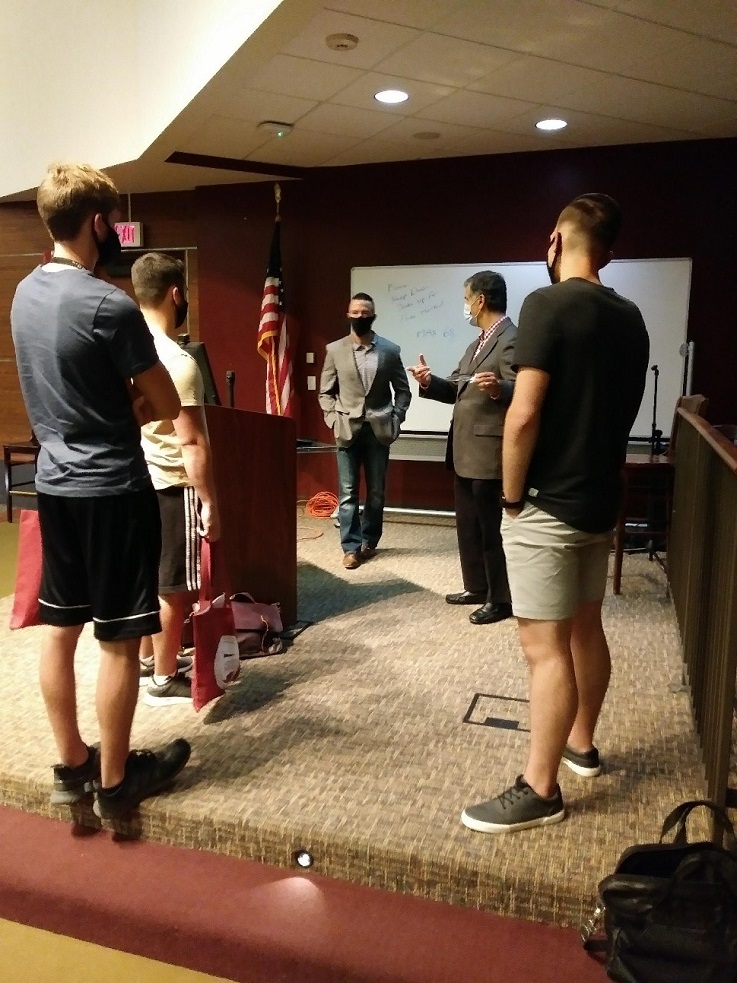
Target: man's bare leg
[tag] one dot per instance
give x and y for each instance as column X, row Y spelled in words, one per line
column 592, row 666
column 117, row 692
column 553, row 698
column 174, row 610
column 58, row 687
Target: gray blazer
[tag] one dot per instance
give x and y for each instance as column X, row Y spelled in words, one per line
column 347, row 405
column 474, row 447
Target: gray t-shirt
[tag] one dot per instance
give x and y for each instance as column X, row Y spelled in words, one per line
column 77, row 341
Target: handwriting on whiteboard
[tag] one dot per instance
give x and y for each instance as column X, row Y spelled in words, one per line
column 415, row 304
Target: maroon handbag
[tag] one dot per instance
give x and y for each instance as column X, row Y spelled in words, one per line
column 258, row 626
column 216, row 658
column 25, row 611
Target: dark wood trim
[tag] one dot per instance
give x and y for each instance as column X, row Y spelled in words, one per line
column 235, row 164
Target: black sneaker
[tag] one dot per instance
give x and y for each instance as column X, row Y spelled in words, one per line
column 72, row 784
column 518, row 808
column 184, row 664
column 146, row 773
column 586, row 763
column 176, row 689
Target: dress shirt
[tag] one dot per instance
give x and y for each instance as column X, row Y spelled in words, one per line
column 485, row 335
column 367, row 361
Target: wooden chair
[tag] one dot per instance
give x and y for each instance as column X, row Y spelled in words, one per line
column 16, row 455
column 647, row 495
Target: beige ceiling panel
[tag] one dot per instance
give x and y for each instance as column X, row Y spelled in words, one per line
column 361, row 93
column 709, row 18
column 310, row 79
column 682, row 66
column 447, row 61
column 474, row 109
column 536, row 79
column 376, row 40
column 592, row 129
column 497, row 142
column 346, row 120
column 302, row 149
column 221, row 136
column 411, row 13
column 255, row 106
column 654, row 104
column 371, row 152
column 404, row 131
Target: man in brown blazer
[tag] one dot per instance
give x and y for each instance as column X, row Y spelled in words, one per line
column 481, row 389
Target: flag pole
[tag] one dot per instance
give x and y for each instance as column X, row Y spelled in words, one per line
column 277, row 199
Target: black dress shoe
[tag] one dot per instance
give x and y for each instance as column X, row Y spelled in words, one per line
column 487, row 614
column 467, row 597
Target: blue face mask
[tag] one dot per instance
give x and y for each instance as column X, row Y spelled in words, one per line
column 469, row 316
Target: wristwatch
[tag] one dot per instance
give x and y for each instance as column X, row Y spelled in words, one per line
column 510, row 505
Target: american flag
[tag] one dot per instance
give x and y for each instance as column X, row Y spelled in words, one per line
column 273, row 341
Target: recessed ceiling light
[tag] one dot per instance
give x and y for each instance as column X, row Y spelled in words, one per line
column 551, row 124
column 341, row 42
column 276, row 127
column 426, row 135
column 391, row 96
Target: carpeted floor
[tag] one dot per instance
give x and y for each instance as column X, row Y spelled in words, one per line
column 363, row 742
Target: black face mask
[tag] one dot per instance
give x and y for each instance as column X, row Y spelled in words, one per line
column 361, row 325
column 109, row 248
column 181, row 314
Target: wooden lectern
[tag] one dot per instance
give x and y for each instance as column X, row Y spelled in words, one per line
column 255, row 464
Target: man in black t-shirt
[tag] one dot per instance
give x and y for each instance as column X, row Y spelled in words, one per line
column 90, row 376
column 582, row 354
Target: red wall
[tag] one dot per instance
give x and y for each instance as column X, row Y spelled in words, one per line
column 679, row 199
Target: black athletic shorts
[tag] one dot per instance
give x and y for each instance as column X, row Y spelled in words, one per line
column 100, row 563
column 179, row 569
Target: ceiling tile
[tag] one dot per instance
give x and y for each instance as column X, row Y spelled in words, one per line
column 497, row 142
column 474, row 109
column 347, row 120
column 255, row 106
column 220, row 136
column 361, row 93
column 376, row 41
column 370, row 152
column 681, row 64
column 707, row 18
column 447, row 61
column 302, row 149
column 412, row 13
column 536, row 79
column 593, row 129
column 403, row 131
column 312, row 79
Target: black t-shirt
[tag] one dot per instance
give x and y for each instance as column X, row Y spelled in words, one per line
column 595, row 348
column 77, row 340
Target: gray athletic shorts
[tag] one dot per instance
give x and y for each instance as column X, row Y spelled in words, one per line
column 552, row 567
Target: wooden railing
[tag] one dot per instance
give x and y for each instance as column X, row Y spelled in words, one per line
column 702, row 569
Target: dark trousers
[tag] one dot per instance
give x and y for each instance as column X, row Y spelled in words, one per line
column 478, row 522
column 365, row 452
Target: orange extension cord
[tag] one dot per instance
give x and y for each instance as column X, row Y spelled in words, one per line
column 322, row 505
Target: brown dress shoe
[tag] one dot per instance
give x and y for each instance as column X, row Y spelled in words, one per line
column 367, row 552
column 351, row 561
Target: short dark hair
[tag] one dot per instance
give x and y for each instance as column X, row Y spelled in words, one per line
column 492, row 286
column 153, row 274
column 366, row 297
column 596, row 217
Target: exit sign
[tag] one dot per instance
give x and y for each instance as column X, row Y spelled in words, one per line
column 129, row 233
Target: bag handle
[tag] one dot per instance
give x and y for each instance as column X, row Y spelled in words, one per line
column 212, row 558
column 677, row 819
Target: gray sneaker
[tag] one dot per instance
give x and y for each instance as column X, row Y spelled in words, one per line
column 584, row 763
column 184, row 664
column 176, row 689
column 520, row 807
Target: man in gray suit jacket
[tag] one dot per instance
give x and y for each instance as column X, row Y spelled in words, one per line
column 358, row 377
column 481, row 389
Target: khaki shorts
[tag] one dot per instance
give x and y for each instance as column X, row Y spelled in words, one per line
column 552, row 567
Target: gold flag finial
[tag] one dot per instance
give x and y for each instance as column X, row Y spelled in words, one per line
column 277, row 197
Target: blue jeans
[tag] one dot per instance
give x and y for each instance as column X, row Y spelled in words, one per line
column 366, row 451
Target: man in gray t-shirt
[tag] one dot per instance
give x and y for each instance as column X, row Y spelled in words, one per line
column 90, row 376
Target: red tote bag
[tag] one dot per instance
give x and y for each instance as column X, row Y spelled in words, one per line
column 216, row 658
column 25, row 611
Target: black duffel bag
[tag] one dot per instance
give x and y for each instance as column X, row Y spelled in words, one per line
column 670, row 909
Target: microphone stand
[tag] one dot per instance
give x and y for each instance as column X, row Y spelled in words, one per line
column 656, row 435
column 230, row 382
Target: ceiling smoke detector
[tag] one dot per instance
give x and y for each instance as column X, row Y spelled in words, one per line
column 275, row 127
column 341, row 42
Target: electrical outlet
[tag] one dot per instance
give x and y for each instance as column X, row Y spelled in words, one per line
column 312, row 382
column 310, row 358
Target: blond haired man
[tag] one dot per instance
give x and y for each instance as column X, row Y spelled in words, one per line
column 89, row 373
column 178, row 457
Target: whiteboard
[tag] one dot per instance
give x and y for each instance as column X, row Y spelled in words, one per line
column 421, row 309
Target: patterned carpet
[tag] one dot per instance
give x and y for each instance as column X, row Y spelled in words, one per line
column 363, row 742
